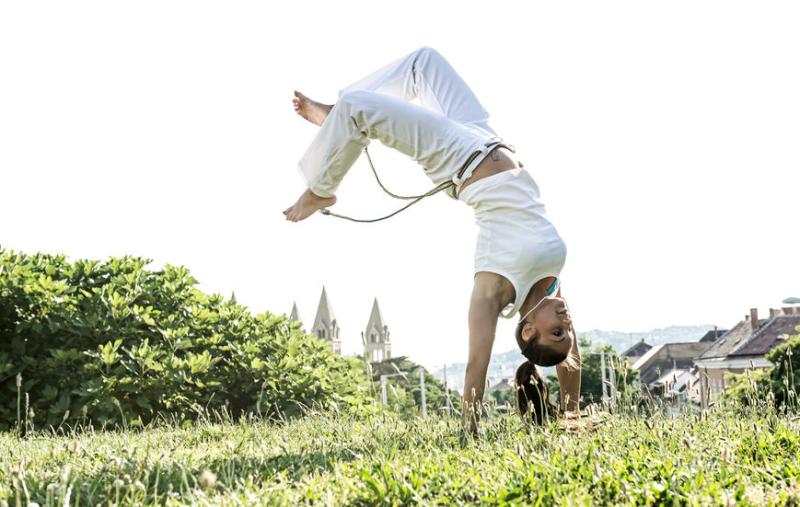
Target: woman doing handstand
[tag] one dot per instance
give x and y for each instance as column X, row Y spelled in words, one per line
column 519, row 254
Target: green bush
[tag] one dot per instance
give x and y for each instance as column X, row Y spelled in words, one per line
column 780, row 382
column 591, row 385
column 113, row 342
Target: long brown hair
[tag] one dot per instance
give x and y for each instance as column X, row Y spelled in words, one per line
column 544, row 356
column 533, row 399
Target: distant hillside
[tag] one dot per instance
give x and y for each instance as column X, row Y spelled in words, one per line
column 621, row 341
column 504, row 364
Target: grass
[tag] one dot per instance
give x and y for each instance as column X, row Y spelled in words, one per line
column 724, row 457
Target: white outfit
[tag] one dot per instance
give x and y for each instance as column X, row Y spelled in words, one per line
column 516, row 240
column 440, row 134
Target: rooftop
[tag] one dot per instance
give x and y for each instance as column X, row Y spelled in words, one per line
column 681, row 351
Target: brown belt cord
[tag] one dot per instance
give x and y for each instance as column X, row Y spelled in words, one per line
column 415, row 198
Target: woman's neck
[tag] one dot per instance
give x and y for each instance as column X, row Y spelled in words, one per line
column 536, row 294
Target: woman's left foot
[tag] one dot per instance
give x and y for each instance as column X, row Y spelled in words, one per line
column 308, row 204
column 311, row 110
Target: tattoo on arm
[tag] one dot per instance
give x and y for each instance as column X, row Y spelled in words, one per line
column 495, row 154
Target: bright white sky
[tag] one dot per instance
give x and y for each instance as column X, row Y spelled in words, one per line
column 665, row 138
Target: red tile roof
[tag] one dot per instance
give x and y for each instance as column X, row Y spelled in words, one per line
column 769, row 336
column 729, row 341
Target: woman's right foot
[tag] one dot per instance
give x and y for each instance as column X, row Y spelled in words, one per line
column 308, row 204
column 311, row 110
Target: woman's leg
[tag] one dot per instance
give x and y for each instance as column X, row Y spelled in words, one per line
column 427, row 76
column 490, row 294
column 436, row 142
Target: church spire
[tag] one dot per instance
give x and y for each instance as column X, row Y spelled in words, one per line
column 325, row 326
column 375, row 317
column 295, row 315
column 324, row 311
column 377, row 346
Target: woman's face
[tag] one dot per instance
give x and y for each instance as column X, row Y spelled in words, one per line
column 552, row 322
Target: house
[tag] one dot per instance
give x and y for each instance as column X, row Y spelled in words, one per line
column 634, row 352
column 503, row 385
column 661, row 366
column 713, row 335
column 676, row 383
column 743, row 348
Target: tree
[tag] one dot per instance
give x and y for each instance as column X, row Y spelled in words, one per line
column 503, row 396
column 782, row 379
column 591, row 376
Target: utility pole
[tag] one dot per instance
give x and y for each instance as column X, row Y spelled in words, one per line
column 384, row 397
column 603, row 374
column 612, row 379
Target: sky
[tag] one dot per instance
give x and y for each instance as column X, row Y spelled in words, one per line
column 665, row 137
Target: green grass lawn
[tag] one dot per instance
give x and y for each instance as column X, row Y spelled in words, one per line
column 724, row 458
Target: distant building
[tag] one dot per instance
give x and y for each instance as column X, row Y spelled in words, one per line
column 377, row 346
column 713, row 335
column 677, row 383
column 743, row 348
column 633, row 353
column 660, row 366
column 376, row 336
column 295, row 315
column 502, row 385
column 325, row 326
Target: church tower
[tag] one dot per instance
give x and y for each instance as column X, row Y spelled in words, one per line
column 377, row 346
column 295, row 316
column 325, row 326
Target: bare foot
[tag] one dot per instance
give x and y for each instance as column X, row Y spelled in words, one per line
column 306, row 205
column 311, row 110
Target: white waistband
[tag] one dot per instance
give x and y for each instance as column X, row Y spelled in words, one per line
column 484, row 151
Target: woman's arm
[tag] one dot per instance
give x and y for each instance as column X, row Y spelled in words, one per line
column 569, row 375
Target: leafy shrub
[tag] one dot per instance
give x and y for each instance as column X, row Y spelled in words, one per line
column 780, row 382
column 110, row 342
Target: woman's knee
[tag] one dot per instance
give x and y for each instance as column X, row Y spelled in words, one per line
column 356, row 98
column 492, row 290
column 427, row 52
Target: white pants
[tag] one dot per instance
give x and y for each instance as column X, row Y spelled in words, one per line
column 440, row 134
